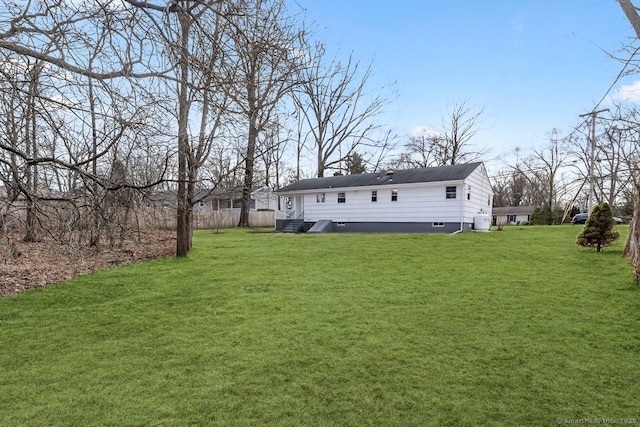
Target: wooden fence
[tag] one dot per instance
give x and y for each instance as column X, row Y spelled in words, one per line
column 166, row 219
column 144, row 218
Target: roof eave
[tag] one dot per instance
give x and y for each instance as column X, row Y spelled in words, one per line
column 371, row 187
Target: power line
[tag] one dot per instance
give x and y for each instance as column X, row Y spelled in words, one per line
column 592, row 141
column 611, row 86
column 618, row 77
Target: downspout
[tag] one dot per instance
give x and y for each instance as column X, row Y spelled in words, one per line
column 464, row 197
column 301, row 199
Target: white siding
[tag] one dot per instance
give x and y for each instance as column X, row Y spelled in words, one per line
column 519, row 218
column 418, row 202
column 424, row 202
column 481, row 194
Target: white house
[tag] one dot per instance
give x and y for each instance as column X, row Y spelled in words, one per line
column 264, row 198
column 437, row 199
column 512, row 215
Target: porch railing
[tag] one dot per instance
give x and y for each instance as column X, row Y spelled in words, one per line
column 293, row 224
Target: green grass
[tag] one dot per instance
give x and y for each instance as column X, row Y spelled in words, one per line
column 518, row 327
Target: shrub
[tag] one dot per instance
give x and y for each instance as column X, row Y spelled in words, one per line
column 599, row 229
column 546, row 216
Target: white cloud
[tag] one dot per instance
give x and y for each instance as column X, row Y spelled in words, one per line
column 628, row 93
column 425, row 131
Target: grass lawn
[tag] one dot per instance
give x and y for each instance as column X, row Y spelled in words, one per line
column 519, row 327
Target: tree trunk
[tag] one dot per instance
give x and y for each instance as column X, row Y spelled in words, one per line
column 632, row 14
column 631, row 242
column 95, row 231
column 31, row 171
column 183, row 225
column 633, row 239
column 191, row 191
column 635, row 261
column 320, row 163
column 250, row 154
column 248, row 174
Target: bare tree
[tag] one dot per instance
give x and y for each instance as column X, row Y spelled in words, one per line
column 632, row 247
column 450, row 145
column 376, row 156
column 460, row 126
column 266, row 42
column 14, row 136
column 501, row 190
column 628, row 136
column 421, row 149
column 31, row 146
column 271, row 151
column 90, row 52
column 337, row 110
column 193, row 33
column 616, row 149
column 535, row 179
column 522, row 187
column 62, row 24
column 511, row 187
column 544, row 167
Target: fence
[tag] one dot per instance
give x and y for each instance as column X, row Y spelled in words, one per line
column 14, row 214
column 166, row 219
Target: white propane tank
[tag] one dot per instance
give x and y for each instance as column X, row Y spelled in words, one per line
column 482, row 222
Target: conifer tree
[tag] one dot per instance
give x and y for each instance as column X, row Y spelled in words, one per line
column 599, row 229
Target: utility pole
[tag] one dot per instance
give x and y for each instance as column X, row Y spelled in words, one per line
column 592, row 144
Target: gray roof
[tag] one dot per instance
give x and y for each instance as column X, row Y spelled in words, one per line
column 514, row 210
column 405, row 176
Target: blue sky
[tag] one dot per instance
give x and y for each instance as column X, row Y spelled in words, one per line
column 532, row 65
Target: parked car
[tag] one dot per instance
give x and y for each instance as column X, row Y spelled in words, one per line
column 580, row 218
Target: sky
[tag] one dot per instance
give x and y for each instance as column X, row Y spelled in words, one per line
column 532, row 65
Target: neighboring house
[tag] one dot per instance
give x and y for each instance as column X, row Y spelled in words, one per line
column 213, row 208
column 218, row 199
column 438, row 199
column 513, row 215
column 264, row 198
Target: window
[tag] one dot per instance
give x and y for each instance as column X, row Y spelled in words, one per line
column 511, row 218
column 342, row 198
column 374, row 196
column 437, row 224
column 394, row 195
column 451, row 192
column 320, row 198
